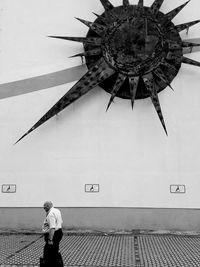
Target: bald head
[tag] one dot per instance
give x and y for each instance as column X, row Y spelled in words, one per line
column 47, row 205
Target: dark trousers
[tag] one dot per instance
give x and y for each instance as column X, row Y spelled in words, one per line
column 51, row 252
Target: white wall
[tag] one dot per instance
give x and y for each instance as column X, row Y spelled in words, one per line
column 125, row 151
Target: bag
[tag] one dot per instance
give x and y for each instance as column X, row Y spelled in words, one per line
column 41, row 262
column 59, row 262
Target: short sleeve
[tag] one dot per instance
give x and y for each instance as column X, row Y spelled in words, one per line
column 52, row 221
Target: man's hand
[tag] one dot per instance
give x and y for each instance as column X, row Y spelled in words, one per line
column 50, row 242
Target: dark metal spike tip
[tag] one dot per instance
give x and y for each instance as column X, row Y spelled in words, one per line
column 166, row 131
column 20, row 139
column 74, row 56
column 84, row 21
column 89, row 40
column 133, row 85
column 92, row 52
column 160, row 74
column 78, row 19
column 99, row 29
column 106, row 4
column 132, row 104
column 57, row 37
column 96, row 14
column 29, row 131
column 120, row 80
column 169, row 16
column 186, row 25
column 171, row 87
column 77, row 55
column 110, row 102
column 150, row 86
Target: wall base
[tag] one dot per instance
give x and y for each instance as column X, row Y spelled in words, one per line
column 105, row 218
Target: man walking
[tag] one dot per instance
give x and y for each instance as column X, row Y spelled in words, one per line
column 52, row 229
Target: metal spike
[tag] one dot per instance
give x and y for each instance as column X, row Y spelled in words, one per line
column 126, row 3
column 189, row 44
column 189, row 47
column 86, row 40
column 187, row 25
column 192, row 40
column 107, row 5
column 119, row 82
column 141, row 3
column 133, row 84
column 93, row 52
column 86, row 22
column 160, row 74
column 101, row 18
column 95, row 75
column 156, row 6
column 169, row 16
column 190, row 61
column 150, row 86
column 110, row 101
column 169, row 66
column 99, row 29
column 97, row 15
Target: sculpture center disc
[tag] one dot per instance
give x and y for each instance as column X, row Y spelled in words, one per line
column 133, row 45
column 136, row 43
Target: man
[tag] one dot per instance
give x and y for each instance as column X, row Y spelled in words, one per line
column 52, row 229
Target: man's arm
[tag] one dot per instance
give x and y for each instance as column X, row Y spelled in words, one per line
column 52, row 226
column 51, row 234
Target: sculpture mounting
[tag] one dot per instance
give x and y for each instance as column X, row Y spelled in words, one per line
column 131, row 51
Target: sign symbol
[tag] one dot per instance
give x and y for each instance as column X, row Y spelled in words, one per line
column 92, row 188
column 8, row 189
column 177, row 189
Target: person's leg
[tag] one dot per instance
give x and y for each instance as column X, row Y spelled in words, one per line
column 48, row 253
column 56, row 241
column 45, row 250
column 57, row 238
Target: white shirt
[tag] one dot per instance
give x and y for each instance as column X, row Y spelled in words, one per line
column 52, row 220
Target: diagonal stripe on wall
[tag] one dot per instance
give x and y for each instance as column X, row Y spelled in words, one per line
column 42, row 82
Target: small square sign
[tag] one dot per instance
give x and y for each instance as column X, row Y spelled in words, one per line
column 177, row 189
column 91, row 188
column 8, row 188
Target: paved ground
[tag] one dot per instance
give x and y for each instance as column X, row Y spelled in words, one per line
column 97, row 249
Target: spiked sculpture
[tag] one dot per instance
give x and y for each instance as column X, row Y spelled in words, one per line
column 131, row 51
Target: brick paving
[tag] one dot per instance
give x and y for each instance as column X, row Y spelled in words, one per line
column 131, row 249
column 172, row 251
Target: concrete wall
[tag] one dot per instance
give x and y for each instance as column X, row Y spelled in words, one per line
column 126, row 152
column 104, row 219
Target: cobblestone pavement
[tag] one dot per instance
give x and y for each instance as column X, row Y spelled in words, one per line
column 131, row 249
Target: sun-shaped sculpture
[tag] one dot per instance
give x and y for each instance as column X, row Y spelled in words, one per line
column 131, row 51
